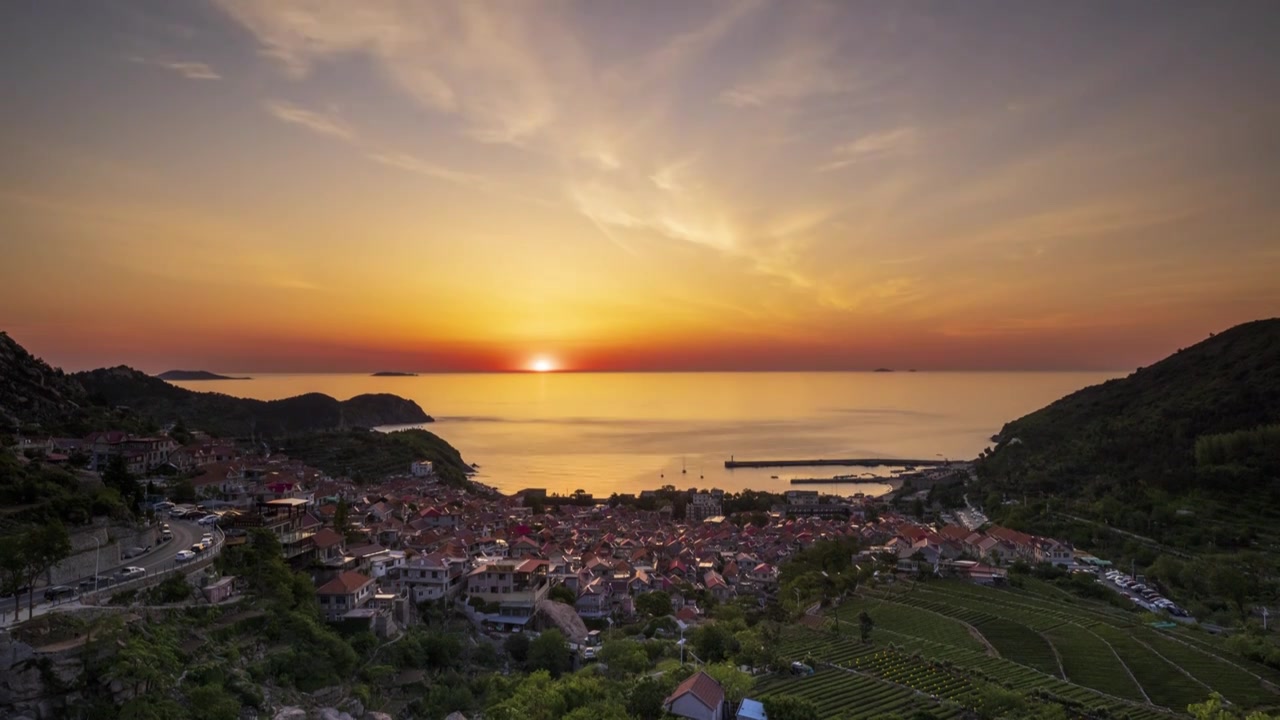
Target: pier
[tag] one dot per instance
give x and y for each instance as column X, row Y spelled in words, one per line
column 843, row 481
column 848, row 462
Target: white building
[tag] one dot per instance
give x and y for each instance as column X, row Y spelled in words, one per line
column 422, row 468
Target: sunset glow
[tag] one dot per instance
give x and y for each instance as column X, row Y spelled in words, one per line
column 542, row 364
column 257, row 185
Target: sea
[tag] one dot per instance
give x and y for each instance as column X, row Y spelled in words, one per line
column 606, row 433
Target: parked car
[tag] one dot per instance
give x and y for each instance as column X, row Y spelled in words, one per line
column 208, row 520
column 131, row 572
column 134, row 551
column 184, row 555
column 59, row 592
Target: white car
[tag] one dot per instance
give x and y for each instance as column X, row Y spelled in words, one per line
column 207, row 539
column 129, row 573
column 208, row 520
column 184, row 556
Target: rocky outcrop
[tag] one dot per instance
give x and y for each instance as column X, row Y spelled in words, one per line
column 32, row 392
column 34, row 684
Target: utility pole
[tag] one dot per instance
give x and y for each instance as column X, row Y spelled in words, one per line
column 97, row 560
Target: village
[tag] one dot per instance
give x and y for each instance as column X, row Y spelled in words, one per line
column 376, row 551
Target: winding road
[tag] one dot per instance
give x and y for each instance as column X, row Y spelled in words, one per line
column 159, row 559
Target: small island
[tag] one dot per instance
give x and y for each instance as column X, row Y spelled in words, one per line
column 196, row 375
column 883, row 370
column 392, row 373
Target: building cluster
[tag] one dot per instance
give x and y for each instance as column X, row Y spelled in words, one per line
column 978, row 555
column 377, row 551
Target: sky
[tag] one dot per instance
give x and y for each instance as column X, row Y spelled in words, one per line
column 264, row 185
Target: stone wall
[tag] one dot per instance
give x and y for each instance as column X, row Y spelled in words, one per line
column 85, row 554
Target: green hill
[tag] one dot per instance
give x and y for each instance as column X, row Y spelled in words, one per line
column 1139, row 433
column 1174, row 470
column 225, row 415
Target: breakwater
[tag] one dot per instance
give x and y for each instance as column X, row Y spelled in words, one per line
column 847, row 462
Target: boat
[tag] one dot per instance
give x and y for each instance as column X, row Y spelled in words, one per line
column 773, row 477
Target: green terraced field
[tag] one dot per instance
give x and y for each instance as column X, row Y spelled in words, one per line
column 1107, row 655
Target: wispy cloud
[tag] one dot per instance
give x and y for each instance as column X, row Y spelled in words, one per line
column 873, row 145
column 322, row 123
column 413, row 164
column 190, row 70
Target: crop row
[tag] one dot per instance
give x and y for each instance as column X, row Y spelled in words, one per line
column 1163, row 683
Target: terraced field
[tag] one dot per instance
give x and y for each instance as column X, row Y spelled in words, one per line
column 937, row 644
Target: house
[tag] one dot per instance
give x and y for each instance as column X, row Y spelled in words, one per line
column 594, row 600
column 699, row 697
column 346, row 592
column 431, row 577
column 703, row 506
column 1054, row 552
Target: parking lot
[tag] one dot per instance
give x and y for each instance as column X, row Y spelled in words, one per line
column 1144, row 595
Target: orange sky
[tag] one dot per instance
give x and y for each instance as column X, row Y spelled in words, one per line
column 262, row 186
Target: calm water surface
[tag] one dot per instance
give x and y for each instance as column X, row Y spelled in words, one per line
column 624, row 432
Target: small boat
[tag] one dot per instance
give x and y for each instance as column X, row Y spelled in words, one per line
column 773, row 477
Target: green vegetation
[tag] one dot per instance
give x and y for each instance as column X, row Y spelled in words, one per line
column 27, row 554
column 223, row 415
column 1181, row 452
column 1242, row 452
column 37, row 492
column 368, row 455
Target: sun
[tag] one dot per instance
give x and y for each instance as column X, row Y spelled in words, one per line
column 542, row 364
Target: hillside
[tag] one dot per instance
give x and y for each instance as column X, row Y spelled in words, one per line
column 225, row 415
column 195, row 375
column 31, row 391
column 1141, row 431
column 371, row 455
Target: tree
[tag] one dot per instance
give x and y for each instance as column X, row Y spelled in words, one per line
column 865, row 626
column 713, row 643
column 550, row 652
column 517, row 646
column 790, row 707
column 563, row 594
column 45, row 547
column 341, row 519
column 116, row 476
column 645, row 699
column 182, row 491
column 1215, row 709
column 654, row 604
column 624, row 657
column 735, row 683
column 13, row 568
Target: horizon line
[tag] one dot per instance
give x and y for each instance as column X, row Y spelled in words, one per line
column 415, row 373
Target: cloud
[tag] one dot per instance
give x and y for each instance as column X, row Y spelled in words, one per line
column 187, row 69
column 873, row 145
column 410, row 163
column 317, row 122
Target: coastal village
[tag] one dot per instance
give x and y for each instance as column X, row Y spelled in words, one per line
column 377, row 550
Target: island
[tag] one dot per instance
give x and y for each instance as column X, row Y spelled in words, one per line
column 392, row 373
column 196, row 375
column 883, row 370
